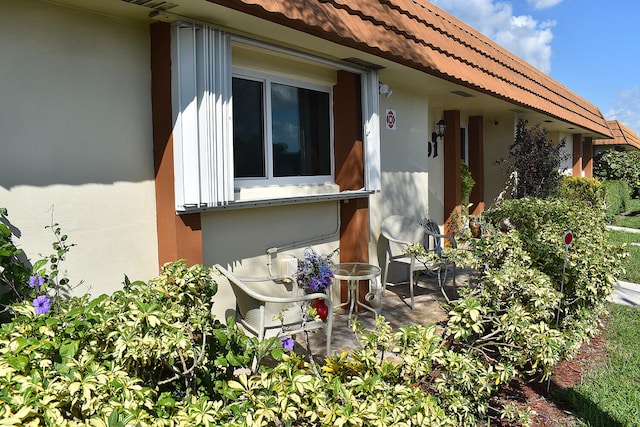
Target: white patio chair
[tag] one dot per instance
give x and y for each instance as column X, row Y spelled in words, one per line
column 259, row 299
column 400, row 232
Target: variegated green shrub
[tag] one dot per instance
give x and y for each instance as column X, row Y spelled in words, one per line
column 148, row 353
column 153, row 355
column 525, row 308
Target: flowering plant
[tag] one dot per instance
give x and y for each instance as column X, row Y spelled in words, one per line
column 40, row 282
column 314, row 271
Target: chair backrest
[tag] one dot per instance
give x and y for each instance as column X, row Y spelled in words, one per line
column 403, row 229
column 250, row 297
column 433, row 235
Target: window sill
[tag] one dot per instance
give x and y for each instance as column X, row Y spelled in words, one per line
column 280, row 201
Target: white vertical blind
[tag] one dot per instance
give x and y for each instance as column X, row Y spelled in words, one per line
column 371, row 131
column 203, row 131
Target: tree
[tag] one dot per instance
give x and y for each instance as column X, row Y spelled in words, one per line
column 619, row 165
column 535, row 159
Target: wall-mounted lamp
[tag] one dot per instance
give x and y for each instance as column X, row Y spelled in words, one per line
column 441, row 127
column 384, row 90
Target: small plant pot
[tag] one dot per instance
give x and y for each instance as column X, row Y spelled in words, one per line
column 475, row 227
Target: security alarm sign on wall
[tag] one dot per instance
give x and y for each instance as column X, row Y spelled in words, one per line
column 390, row 119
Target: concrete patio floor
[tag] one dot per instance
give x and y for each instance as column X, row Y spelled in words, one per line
column 396, row 310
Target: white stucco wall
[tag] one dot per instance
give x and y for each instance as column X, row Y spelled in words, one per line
column 499, row 134
column 76, row 144
column 566, row 166
column 412, row 183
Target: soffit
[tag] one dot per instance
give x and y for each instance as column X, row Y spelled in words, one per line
column 622, row 135
column 418, row 45
column 419, row 35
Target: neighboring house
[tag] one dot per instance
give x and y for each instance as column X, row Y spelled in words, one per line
column 117, row 122
column 624, row 139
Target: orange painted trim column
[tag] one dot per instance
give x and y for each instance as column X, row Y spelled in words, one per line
column 587, row 157
column 476, row 163
column 577, row 155
column 349, row 169
column 452, row 179
column 179, row 236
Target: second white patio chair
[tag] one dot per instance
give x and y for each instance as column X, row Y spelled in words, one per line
column 260, row 299
column 401, row 232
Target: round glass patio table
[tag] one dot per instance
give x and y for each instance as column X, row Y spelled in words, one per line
column 352, row 273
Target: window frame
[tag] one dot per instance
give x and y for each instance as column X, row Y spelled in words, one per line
column 267, row 79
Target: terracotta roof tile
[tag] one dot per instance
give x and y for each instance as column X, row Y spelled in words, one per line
column 422, row 36
column 622, row 135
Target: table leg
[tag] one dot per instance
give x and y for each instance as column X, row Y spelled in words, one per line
column 357, row 298
column 353, row 298
column 350, row 297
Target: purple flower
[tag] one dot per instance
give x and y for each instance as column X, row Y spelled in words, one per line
column 314, row 271
column 326, row 272
column 42, row 305
column 287, row 343
column 36, row 281
column 315, row 284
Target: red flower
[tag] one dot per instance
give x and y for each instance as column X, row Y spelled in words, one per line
column 321, row 308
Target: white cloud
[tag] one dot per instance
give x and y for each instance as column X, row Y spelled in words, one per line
column 543, row 4
column 627, row 109
column 522, row 34
column 528, row 39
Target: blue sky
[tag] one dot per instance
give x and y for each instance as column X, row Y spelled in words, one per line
column 590, row 47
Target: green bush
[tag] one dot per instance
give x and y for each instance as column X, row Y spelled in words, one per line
column 587, row 190
column 19, row 280
column 148, row 353
column 466, row 181
column 592, row 269
column 152, row 355
column 522, row 311
column 14, row 274
column 617, row 197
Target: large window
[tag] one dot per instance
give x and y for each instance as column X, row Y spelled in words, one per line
column 281, row 130
column 239, row 130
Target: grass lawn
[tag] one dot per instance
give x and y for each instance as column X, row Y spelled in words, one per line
column 632, row 262
column 630, row 220
column 632, row 217
column 610, row 397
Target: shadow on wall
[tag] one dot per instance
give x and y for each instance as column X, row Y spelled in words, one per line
column 240, row 238
column 403, row 193
column 76, row 101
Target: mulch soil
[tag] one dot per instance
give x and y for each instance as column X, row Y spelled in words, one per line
column 549, row 412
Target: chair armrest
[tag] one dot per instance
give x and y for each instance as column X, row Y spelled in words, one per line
column 402, row 242
column 299, row 298
column 281, row 278
column 267, row 298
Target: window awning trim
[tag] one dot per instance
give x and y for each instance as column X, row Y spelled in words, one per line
column 340, row 65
